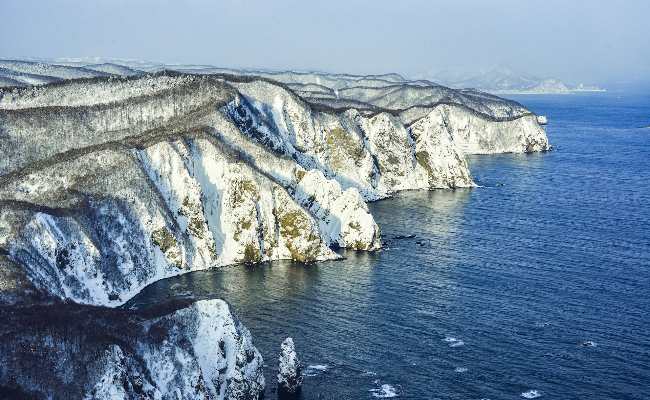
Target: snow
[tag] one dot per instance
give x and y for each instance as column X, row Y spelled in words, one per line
column 216, row 323
column 289, row 368
column 186, row 172
column 49, row 69
column 343, row 215
column 105, row 386
column 347, row 147
column 114, row 69
column 166, row 166
column 113, row 183
column 506, row 81
column 474, row 134
column 72, row 250
column 206, row 353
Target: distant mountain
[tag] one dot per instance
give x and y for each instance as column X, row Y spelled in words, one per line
column 40, row 72
column 504, row 81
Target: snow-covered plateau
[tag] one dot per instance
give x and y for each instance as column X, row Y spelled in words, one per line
column 114, row 177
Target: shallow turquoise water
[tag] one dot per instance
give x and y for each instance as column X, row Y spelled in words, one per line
column 536, row 283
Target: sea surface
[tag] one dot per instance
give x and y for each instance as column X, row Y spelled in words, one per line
column 536, row 284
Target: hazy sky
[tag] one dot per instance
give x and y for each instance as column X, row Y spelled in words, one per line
column 591, row 41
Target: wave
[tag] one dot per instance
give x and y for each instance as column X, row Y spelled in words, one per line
column 531, row 394
column 316, row 369
column 385, row 391
column 453, row 342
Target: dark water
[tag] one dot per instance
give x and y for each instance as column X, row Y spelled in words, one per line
column 537, row 281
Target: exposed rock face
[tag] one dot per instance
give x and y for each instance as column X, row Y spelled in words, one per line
column 101, row 198
column 110, row 183
column 113, row 183
column 200, row 351
column 289, row 369
column 476, row 134
column 374, row 153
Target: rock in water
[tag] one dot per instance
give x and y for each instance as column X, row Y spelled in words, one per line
column 290, row 369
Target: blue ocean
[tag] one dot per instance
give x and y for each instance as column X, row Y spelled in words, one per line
column 534, row 285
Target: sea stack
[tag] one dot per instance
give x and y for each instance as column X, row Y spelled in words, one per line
column 290, row 369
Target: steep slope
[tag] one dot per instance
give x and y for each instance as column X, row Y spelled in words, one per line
column 490, row 124
column 177, row 351
column 103, row 198
column 114, row 183
column 111, row 183
column 372, row 152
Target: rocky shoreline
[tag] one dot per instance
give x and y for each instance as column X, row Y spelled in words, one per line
column 114, row 182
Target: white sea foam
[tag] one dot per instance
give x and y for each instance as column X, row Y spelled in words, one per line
column 460, row 369
column 316, row 369
column 426, row 313
column 385, row 391
column 531, row 394
column 453, row 342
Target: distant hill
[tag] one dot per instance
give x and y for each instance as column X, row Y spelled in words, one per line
column 505, row 81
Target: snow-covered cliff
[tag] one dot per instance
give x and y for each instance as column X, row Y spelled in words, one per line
column 112, row 183
column 374, row 152
column 102, row 197
column 197, row 351
column 109, row 183
column 475, row 134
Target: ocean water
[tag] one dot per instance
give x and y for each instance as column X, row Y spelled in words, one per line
column 536, row 284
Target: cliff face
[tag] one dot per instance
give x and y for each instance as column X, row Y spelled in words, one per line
column 109, row 183
column 199, row 351
column 371, row 151
column 102, row 197
column 113, row 183
column 477, row 135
